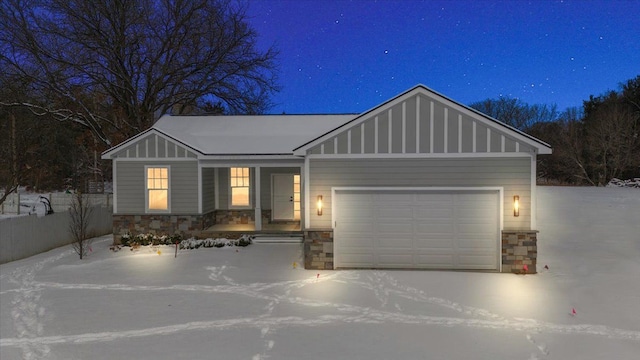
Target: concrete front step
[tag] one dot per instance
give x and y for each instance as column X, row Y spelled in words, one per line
column 271, row 237
column 277, row 239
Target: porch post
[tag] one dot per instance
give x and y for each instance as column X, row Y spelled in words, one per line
column 258, row 207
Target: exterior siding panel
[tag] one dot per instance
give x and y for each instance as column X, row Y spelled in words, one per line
column 183, row 186
column 513, row 174
column 208, row 190
column 154, row 146
column 435, row 122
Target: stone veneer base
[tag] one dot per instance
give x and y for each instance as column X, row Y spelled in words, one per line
column 519, row 248
column 318, row 249
column 158, row 224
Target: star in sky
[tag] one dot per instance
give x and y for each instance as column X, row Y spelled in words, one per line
column 348, row 56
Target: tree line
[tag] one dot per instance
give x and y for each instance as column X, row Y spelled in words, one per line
column 591, row 144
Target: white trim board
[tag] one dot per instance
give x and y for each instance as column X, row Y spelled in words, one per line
column 420, row 156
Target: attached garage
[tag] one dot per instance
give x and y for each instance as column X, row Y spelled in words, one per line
column 418, row 228
column 421, row 182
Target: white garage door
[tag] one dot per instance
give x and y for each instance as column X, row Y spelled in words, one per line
column 448, row 229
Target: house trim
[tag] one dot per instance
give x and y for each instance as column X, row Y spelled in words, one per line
column 146, row 190
column 199, row 188
column 420, row 156
column 307, row 199
column 251, row 190
column 114, row 174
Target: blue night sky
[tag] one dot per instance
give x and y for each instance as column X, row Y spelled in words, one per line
column 340, row 56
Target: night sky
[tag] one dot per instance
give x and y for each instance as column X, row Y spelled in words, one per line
column 340, row 56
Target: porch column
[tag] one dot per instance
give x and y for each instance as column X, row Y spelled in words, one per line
column 258, row 207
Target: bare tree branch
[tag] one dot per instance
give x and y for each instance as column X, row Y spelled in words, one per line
column 115, row 66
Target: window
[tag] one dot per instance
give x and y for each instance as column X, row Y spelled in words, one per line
column 157, row 193
column 240, row 187
column 296, row 197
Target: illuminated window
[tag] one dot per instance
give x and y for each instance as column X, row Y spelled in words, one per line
column 296, row 197
column 157, row 191
column 239, row 180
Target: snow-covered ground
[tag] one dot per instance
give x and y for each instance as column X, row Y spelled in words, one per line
column 251, row 303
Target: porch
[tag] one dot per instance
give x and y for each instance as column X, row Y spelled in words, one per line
column 267, row 228
column 250, row 197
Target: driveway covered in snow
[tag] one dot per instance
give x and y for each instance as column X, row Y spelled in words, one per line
column 255, row 303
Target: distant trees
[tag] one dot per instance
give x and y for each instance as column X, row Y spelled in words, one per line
column 515, row 112
column 114, row 66
column 591, row 145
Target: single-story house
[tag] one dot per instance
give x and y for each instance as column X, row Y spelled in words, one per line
column 419, row 181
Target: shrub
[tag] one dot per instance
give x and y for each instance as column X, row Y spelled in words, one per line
column 149, row 239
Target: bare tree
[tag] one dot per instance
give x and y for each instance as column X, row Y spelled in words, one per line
column 115, row 66
column 80, row 213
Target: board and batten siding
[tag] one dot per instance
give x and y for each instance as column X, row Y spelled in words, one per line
column 513, row 174
column 154, row 146
column 421, row 125
column 208, row 190
column 130, row 178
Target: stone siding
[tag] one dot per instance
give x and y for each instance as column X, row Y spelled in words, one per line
column 318, row 249
column 227, row 217
column 519, row 248
column 185, row 225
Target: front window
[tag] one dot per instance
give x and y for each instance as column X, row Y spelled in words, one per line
column 157, row 188
column 240, row 186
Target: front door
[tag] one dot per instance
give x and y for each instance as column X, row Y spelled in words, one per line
column 284, row 198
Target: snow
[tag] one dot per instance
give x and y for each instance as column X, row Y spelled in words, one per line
column 248, row 134
column 252, row 303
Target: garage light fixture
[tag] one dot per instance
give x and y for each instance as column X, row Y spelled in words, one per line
column 319, row 205
column 516, row 206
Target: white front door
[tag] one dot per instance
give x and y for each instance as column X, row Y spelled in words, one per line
column 283, row 199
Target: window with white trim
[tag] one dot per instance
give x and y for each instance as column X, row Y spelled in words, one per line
column 157, row 189
column 240, row 185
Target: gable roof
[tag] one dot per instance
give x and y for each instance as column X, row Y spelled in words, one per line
column 284, row 134
column 421, row 90
column 240, row 134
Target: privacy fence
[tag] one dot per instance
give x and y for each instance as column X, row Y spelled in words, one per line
column 24, row 236
column 34, row 203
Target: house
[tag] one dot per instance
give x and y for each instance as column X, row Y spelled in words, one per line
column 419, row 181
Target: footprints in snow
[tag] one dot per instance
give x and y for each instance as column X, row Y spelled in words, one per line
column 541, row 347
column 26, row 312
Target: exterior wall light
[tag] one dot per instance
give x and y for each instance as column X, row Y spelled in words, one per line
column 319, row 205
column 516, row 206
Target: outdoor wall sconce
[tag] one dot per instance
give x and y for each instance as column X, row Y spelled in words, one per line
column 319, row 205
column 516, row 206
